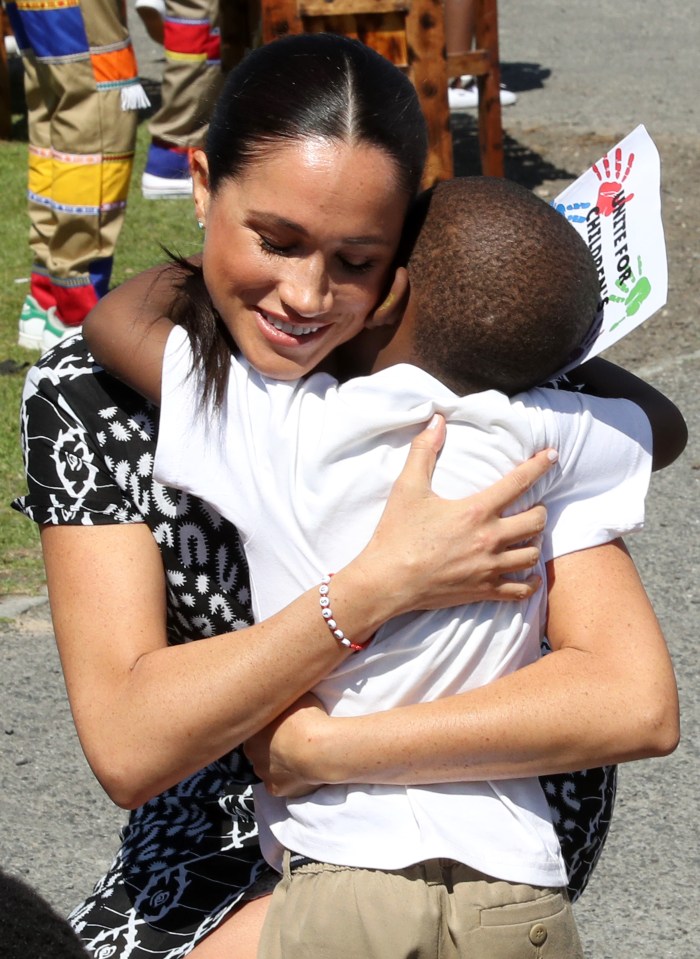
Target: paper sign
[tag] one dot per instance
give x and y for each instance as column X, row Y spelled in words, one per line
column 616, row 208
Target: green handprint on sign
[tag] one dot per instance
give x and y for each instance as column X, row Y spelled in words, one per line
column 636, row 291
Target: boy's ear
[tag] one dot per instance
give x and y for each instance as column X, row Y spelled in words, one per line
column 199, row 168
column 390, row 310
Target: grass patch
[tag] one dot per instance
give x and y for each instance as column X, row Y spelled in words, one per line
column 148, row 224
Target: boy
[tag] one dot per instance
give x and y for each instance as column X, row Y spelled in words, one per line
column 502, row 291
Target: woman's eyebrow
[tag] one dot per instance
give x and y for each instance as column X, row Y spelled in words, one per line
column 262, row 218
column 273, row 220
column 370, row 240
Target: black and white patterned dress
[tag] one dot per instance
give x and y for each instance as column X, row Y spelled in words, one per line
column 189, row 855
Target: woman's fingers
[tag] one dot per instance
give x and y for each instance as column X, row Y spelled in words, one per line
column 521, row 527
column 517, row 560
column 449, row 552
column 497, row 497
column 514, row 590
column 422, row 456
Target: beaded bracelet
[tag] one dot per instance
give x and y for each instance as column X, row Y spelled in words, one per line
column 327, row 614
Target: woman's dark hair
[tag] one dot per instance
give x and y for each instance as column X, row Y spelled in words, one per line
column 316, row 85
column 296, row 88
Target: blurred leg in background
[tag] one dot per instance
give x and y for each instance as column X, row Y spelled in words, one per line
column 192, row 78
column 460, row 20
column 82, row 94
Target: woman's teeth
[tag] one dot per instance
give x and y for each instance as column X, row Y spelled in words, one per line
column 292, row 329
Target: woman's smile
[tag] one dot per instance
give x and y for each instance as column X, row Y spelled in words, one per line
column 295, row 331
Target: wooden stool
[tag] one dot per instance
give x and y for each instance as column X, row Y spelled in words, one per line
column 411, row 33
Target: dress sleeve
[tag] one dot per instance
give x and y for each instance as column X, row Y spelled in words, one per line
column 80, row 430
column 89, row 445
column 598, row 488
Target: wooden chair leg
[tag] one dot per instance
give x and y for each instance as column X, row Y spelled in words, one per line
column 483, row 63
column 425, row 36
column 489, row 85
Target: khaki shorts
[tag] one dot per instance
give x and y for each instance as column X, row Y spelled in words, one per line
column 438, row 909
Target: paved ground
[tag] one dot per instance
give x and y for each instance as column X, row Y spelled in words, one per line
column 586, row 75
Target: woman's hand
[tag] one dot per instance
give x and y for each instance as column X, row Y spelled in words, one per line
column 436, row 553
column 272, row 750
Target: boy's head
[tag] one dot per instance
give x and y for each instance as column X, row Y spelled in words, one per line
column 502, row 287
column 30, row 928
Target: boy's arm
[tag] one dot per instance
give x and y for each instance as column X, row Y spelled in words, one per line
column 669, row 431
column 127, row 330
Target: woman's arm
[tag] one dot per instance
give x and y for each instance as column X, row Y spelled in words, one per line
column 606, row 694
column 148, row 714
column 668, row 428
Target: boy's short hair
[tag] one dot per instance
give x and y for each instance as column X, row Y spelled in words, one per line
column 504, row 288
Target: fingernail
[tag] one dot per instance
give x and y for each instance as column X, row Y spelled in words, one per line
column 552, row 455
column 433, row 424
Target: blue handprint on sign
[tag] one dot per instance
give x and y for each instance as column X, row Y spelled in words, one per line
column 566, row 210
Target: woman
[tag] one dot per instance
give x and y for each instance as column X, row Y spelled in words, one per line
column 151, row 715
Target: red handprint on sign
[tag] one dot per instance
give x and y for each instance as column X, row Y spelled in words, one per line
column 610, row 188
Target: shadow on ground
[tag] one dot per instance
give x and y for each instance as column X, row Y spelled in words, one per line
column 519, row 77
column 522, row 164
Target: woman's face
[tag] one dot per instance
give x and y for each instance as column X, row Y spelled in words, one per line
column 298, row 249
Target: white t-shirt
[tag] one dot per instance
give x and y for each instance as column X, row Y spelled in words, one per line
column 303, row 470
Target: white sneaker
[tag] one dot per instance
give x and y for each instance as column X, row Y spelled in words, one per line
column 459, row 98
column 467, row 97
column 508, row 98
column 32, row 321
column 11, row 48
column 56, row 331
column 157, row 5
column 164, row 188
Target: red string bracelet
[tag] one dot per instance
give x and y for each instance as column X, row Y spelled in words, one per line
column 327, row 613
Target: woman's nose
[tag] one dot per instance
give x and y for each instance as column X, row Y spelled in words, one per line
column 306, row 288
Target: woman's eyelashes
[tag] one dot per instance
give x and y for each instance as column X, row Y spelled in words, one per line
column 363, row 267
column 271, row 248
column 275, row 249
